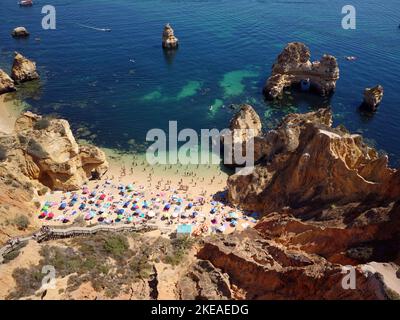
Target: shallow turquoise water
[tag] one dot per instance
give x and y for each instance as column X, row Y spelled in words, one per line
column 113, row 87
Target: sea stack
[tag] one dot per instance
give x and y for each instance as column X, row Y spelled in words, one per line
column 293, row 67
column 20, row 32
column 245, row 126
column 23, row 69
column 169, row 41
column 373, row 97
column 6, row 83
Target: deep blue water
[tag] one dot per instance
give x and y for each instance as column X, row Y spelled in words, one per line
column 226, row 52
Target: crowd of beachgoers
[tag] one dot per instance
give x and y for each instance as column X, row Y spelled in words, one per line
column 173, row 209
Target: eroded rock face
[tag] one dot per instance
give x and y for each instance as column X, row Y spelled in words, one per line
column 373, row 97
column 23, row 69
column 20, row 32
column 6, row 83
column 310, row 164
column 46, row 150
column 327, row 201
column 257, row 266
column 245, row 119
column 204, row 281
column 293, row 65
column 169, row 41
column 244, row 126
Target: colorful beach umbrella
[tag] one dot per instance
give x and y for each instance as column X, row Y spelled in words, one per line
column 233, row 215
column 62, row 206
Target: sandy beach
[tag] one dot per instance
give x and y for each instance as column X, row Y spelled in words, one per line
column 163, row 196
column 10, row 108
column 132, row 189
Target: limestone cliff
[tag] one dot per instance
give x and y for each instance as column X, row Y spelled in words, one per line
column 45, row 151
column 23, row 69
column 307, row 163
column 244, row 126
column 6, row 83
column 328, row 202
column 41, row 153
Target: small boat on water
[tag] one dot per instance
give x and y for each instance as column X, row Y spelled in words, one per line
column 25, row 3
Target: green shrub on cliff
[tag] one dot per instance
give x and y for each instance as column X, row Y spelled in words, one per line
column 42, row 124
column 22, row 222
column 116, row 245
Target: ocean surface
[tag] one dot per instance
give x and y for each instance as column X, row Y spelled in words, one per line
column 115, row 86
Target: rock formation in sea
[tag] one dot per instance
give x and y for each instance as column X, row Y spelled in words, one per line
column 6, row 83
column 293, row 66
column 373, row 97
column 245, row 125
column 44, row 152
column 169, row 41
column 20, row 32
column 23, row 69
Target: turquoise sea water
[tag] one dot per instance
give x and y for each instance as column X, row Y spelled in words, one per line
column 115, row 86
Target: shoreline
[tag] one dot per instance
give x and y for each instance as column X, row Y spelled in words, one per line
column 162, row 182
